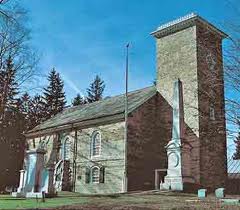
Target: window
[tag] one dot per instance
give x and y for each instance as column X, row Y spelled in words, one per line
column 79, row 177
column 66, row 149
column 212, row 112
column 211, row 61
column 95, row 174
column 96, row 144
column 87, row 175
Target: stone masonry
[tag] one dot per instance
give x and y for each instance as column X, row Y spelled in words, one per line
column 193, row 55
column 147, row 136
column 112, row 158
column 213, row 167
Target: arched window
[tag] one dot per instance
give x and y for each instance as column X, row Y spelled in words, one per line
column 95, row 174
column 66, row 149
column 96, row 144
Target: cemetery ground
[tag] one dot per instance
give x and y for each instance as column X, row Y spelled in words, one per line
column 134, row 201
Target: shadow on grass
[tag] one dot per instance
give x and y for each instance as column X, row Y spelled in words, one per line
column 78, row 195
column 12, row 199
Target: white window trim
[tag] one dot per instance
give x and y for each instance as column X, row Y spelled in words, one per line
column 98, row 168
column 64, row 148
column 100, row 145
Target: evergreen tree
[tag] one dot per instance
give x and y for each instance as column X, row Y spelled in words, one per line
column 8, row 88
column 95, row 91
column 78, row 100
column 236, row 155
column 33, row 110
column 23, row 108
column 11, row 125
column 37, row 111
column 54, row 95
column 24, row 103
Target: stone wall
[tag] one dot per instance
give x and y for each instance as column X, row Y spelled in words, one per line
column 177, row 59
column 149, row 131
column 111, row 158
column 184, row 55
column 211, row 93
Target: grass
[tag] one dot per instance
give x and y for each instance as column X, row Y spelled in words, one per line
column 128, row 201
column 8, row 202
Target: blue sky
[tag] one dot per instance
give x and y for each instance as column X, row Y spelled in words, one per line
column 83, row 38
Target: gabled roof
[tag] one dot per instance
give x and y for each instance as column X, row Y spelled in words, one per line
column 105, row 108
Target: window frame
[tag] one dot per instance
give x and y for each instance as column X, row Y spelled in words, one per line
column 67, row 139
column 94, row 134
column 98, row 170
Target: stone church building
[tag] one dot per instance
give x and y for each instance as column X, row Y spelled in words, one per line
column 176, row 133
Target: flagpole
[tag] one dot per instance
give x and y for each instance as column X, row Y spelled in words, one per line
column 126, row 120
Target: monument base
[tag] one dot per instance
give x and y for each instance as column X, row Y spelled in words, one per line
column 178, row 183
column 27, row 194
column 18, row 194
column 172, row 183
column 32, row 195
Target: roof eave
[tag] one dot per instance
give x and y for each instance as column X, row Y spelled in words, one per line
column 88, row 122
column 172, row 27
column 78, row 124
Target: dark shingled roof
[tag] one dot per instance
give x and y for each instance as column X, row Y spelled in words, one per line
column 103, row 108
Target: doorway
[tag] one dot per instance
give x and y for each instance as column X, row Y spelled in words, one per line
column 159, row 177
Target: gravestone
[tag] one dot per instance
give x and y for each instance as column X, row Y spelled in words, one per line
column 220, row 193
column 231, row 201
column 202, row 193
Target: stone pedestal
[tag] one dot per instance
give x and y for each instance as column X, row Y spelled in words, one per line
column 174, row 179
column 35, row 165
column 31, row 183
column 20, row 190
column 22, row 181
column 51, row 189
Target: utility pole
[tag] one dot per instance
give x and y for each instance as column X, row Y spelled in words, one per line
column 126, row 121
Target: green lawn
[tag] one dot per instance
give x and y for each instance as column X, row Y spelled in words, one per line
column 129, row 201
column 8, row 202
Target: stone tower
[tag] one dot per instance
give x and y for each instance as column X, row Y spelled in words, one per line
column 190, row 49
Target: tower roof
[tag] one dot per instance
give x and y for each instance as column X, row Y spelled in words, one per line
column 185, row 22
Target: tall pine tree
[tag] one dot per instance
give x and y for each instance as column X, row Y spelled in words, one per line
column 24, row 103
column 236, row 155
column 54, row 95
column 78, row 100
column 11, row 125
column 95, row 91
column 8, row 88
column 37, row 111
column 33, row 110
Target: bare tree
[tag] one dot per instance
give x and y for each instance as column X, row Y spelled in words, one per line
column 232, row 75
column 14, row 43
column 17, row 65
